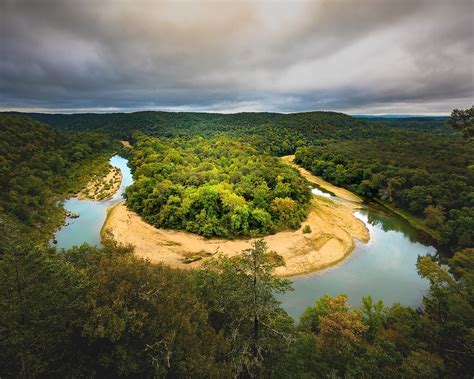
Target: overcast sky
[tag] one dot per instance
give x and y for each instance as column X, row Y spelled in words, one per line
column 356, row 56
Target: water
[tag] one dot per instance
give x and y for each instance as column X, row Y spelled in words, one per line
column 87, row 227
column 384, row 268
column 321, row 192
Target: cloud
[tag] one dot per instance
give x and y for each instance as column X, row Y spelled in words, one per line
column 407, row 56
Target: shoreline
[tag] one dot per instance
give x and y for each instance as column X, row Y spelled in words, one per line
column 333, row 230
column 331, row 241
column 427, row 234
column 337, row 191
column 95, row 189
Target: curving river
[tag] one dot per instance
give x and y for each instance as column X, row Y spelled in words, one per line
column 86, row 228
column 384, row 267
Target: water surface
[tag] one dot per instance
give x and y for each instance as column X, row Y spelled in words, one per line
column 87, row 227
column 384, row 268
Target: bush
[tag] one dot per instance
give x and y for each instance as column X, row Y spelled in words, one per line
column 307, row 229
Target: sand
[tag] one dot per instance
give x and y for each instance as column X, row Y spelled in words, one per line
column 96, row 188
column 333, row 226
column 338, row 191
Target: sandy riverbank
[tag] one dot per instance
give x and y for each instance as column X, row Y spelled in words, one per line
column 332, row 239
column 338, row 191
column 102, row 188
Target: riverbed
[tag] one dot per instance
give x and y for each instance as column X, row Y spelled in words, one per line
column 384, row 267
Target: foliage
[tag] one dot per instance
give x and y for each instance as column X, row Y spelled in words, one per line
column 40, row 166
column 376, row 341
column 463, row 120
column 240, row 297
column 102, row 312
column 40, row 296
column 449, row 309
column 427, row 175
column 216, row 187
column 105, row 313
column 416, row 164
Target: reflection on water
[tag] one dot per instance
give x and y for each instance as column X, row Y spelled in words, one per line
column 318, row 191
column 87, row 227
column 384, row 268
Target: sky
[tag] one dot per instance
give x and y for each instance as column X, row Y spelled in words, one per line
column 353, row 56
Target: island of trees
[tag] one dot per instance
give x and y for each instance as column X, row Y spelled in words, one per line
column 214, row 187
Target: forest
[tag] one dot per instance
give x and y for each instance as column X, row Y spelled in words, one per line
column 214, row 187
column 102, row 312
column 422, row 176
column 39, row 167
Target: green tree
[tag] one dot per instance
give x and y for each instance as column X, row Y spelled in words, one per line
column 141, row 319
column 240, row 294
column 434, row 216
column 449, row 311
column 374, row 315
column 463, row 120
column 337, row 336
column 41, row 298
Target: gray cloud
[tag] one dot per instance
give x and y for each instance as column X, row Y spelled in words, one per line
column 367, row 56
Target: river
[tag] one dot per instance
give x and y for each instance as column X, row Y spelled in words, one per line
column 86, row 228
column 384, row 267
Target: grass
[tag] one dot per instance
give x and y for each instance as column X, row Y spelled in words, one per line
column 194, row 257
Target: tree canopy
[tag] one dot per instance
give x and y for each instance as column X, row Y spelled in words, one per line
column 215, row 187
column 40, row 166
column 102, row 312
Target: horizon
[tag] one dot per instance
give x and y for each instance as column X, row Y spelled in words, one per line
column 95, row 111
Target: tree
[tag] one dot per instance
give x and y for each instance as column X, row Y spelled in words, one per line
column 41, row 296
column 463, row 120
column 228, row 190
column 143, row 320
column 285, row 209
column 422, row 364
column 240, row 294
column 434, row 216
column 449, row 311
column 337, row 335
column 374, row 315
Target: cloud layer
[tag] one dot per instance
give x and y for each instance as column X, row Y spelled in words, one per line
column 366, row 56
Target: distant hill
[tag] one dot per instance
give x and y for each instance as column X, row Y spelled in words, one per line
column 422, row 123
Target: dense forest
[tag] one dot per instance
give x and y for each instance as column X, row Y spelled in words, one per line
column 39, row 167
column 432, row 178
column 423, row 167
column 432, row 124
column 103, row 312
column 91, row 312
column 214, row 187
